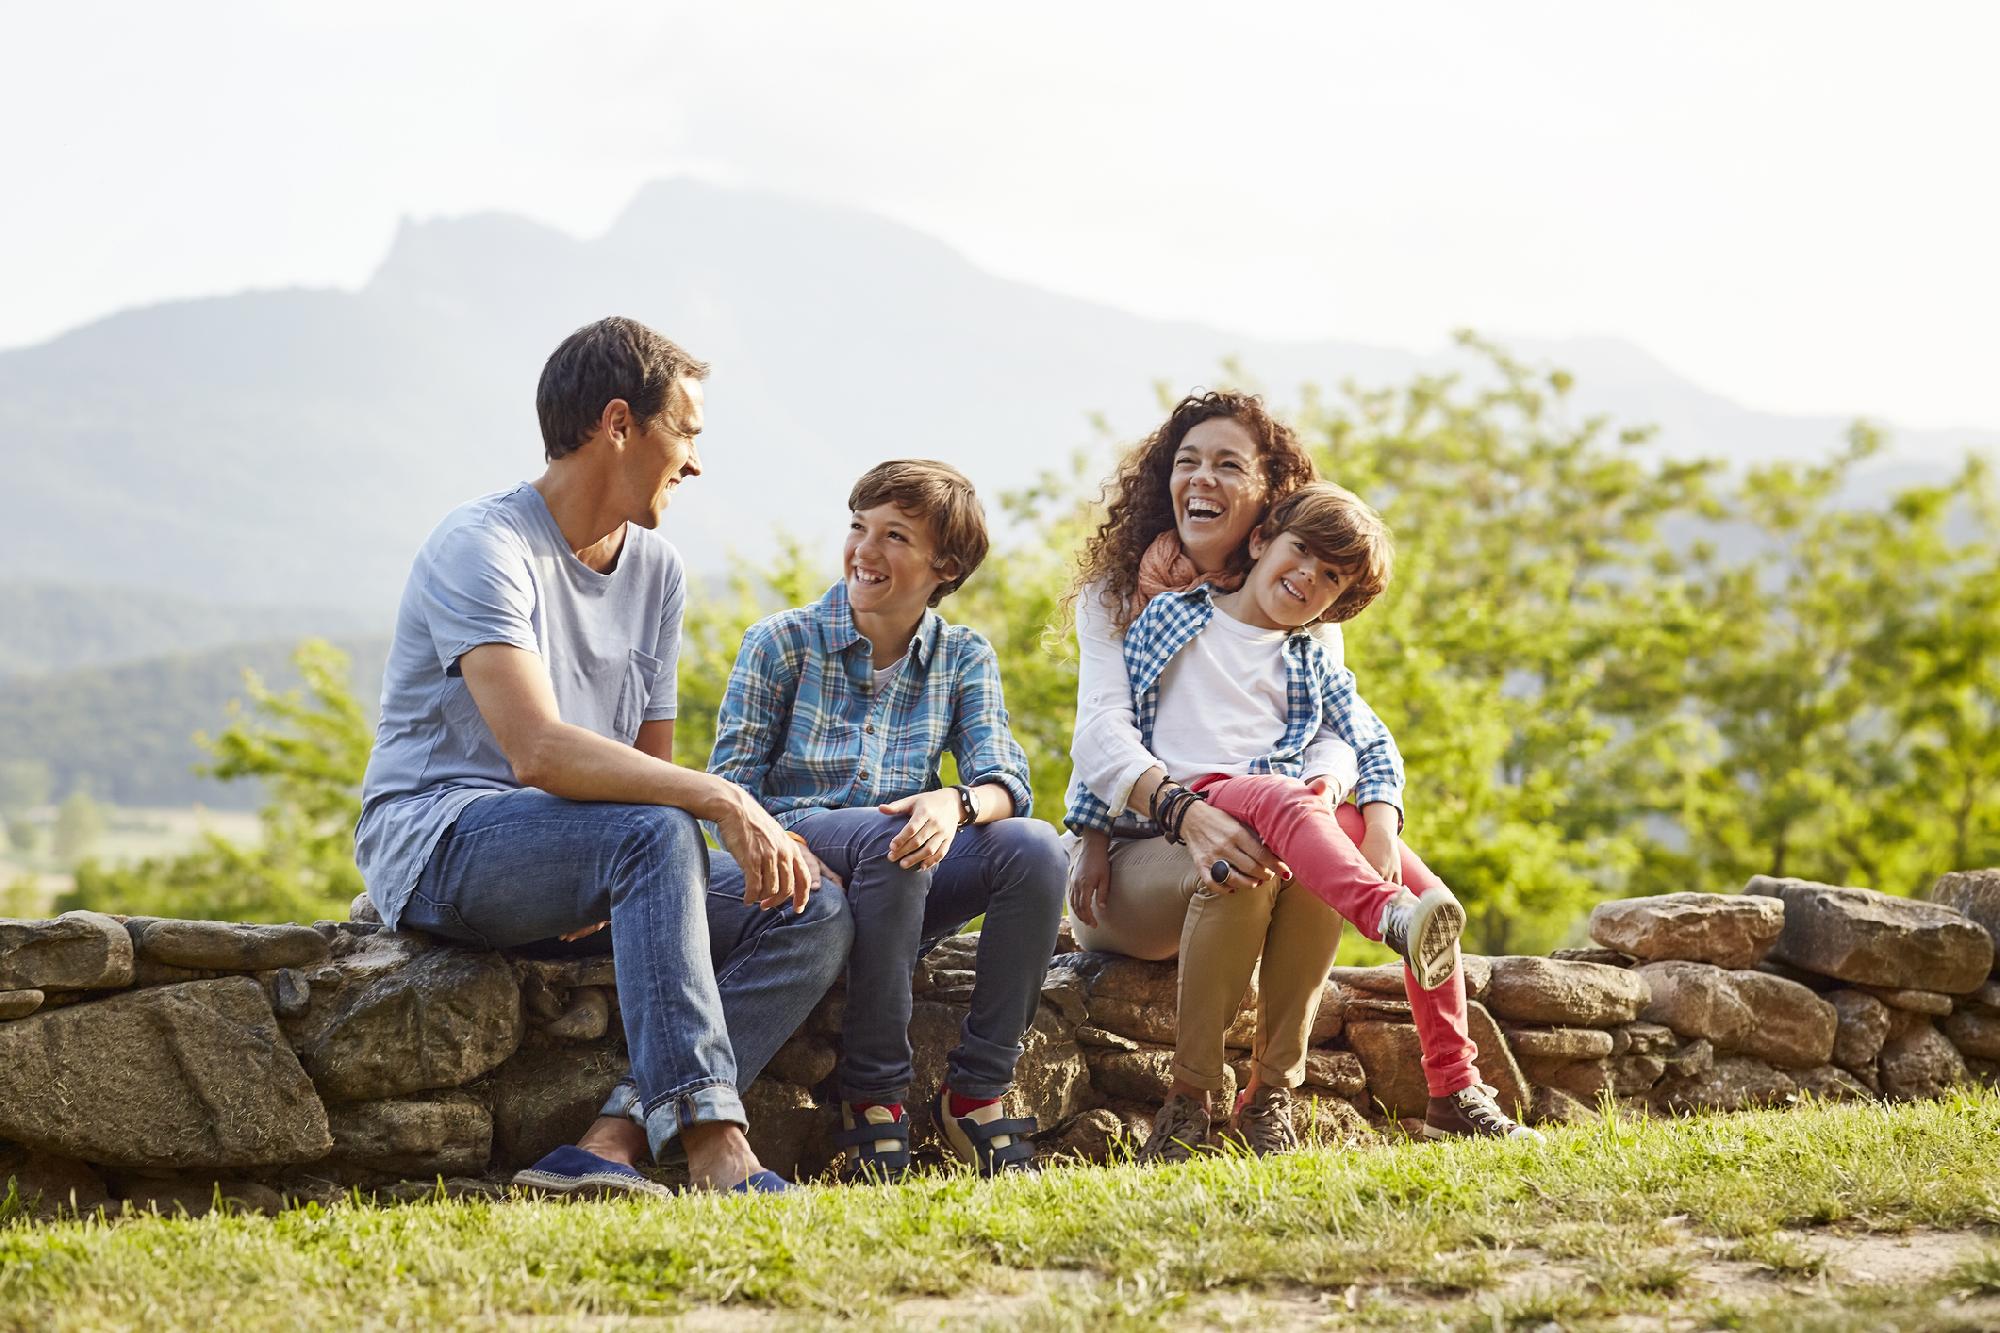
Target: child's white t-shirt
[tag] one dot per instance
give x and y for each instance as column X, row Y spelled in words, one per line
column 1222, row 700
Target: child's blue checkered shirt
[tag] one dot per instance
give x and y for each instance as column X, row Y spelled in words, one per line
column 1316, row 692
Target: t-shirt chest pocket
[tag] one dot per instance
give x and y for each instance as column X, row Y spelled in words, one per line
column 641, row 668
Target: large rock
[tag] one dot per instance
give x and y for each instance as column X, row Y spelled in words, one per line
column 1931, row 1002
column 542, row 1099
column 1584, row 1080
column 19, row 1003
column 1389, row 978
column 406, row 1020
column 1917, row 1062
column 1733, row 1083
column 1863, row 936
column 1392, row 1057
column 224, row 946
column 1832, row 1085
column 447, row 1136
column 76, row 951
column 1338, row 1072
column 1561, row 1043
column 1729, row 931
column 1975, row 1034
column 1743, row 1013
column 1864, row 1026
column 1563, row 994
column 1144, row 1075
column 789, row 1131
column 1051, row 1081
column 1973, row 893
column 195, row 1075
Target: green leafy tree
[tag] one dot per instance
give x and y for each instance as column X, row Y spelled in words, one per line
column 309, row 747
column 79, row 827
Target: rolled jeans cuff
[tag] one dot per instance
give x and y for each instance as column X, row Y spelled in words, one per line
column 623, row 1103
column 695, row 1104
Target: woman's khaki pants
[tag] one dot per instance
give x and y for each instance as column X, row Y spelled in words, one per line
column 1160, row 905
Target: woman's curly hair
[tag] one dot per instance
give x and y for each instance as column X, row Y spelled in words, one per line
column 1139, row 505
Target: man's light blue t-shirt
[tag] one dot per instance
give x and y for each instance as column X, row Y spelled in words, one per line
column 498, row 570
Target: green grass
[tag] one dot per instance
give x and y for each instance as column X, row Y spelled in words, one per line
column 1615, row 1216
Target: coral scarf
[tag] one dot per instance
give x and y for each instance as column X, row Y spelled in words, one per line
column 1166, row 568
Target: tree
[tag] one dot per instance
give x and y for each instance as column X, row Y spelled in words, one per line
column 79, row 826
column 309, row 747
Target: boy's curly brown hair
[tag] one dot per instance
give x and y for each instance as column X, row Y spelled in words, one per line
column 1139, row 505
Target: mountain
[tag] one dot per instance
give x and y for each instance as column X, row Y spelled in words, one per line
column 126, row 732
column 60, row 626
column 294, row 447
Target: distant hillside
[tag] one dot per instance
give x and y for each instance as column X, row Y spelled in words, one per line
column 127, row 731
column 292, row 447
column 60, row 626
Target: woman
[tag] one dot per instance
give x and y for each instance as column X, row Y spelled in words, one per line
column 1181, row 510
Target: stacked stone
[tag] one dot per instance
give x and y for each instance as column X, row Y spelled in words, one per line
column 159, row 1062
column 1793, row 987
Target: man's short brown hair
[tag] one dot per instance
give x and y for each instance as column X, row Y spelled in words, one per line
column 613, row 358
column 1339, row 528
column 944, row 497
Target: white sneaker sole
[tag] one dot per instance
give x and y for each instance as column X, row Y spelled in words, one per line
column 593, row 1186
column 1434, row 939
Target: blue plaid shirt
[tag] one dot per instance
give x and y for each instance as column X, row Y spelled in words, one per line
column 1316, row 692
column 802, row 727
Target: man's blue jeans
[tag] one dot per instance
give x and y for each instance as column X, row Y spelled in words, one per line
column 1013, row 870
column 710, row 987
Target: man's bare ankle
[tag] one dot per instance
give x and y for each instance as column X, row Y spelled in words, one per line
column 719, row 1156
column 615, row 1139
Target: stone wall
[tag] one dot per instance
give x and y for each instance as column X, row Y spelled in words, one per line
column 163, row 1062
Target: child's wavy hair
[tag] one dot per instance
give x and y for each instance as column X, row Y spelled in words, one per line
column 942, row 495
column 1338, row 527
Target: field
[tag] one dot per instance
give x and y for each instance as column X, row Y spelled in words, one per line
column 30, row 881
column 1826, row 1217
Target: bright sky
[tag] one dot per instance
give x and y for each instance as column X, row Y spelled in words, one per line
column 1794, row 203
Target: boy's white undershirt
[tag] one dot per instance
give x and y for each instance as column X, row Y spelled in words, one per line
column 1222, row 700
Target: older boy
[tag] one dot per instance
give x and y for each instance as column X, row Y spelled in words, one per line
column 836, row 717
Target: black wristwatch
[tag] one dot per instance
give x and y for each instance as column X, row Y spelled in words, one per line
column 968, row 808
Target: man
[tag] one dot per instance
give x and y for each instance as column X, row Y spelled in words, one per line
column 522, row 786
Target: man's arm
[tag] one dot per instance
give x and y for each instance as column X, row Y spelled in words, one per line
column 511, row 688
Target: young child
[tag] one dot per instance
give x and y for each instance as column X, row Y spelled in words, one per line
column 1228, row 689
column 835, row 718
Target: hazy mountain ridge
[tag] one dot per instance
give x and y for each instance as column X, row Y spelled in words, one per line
column 52, row 627
column 126, row 733
column 296, row 446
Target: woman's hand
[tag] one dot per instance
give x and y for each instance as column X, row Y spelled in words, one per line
column 933, row 824
column 1090, row 876
column 1213, row 836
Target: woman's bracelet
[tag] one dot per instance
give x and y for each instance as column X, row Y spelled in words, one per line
column 1171, row 811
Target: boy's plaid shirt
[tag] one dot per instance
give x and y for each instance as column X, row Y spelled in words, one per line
column 1316, row 692
column 802, row 727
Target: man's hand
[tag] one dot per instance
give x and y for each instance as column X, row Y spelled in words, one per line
column 933, row 824
column 1090, row 876
column 1213, row 836
column 576, row 935
column 1379, row 845
column 774, row 866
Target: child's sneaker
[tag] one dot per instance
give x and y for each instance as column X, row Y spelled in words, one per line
column 1264, row 1121
column 1179, row 1130
column 985, row 1137
column 876, row 1144
column 1473, row 1113
column 1425, row 931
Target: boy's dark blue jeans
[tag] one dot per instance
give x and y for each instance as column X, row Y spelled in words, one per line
column 1012, row 870
column 709, row 986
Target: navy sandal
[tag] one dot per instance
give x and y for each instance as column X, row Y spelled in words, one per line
column 988, row 1139
column 877, row 1149
column 762, row 1182
column 578, row 1174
